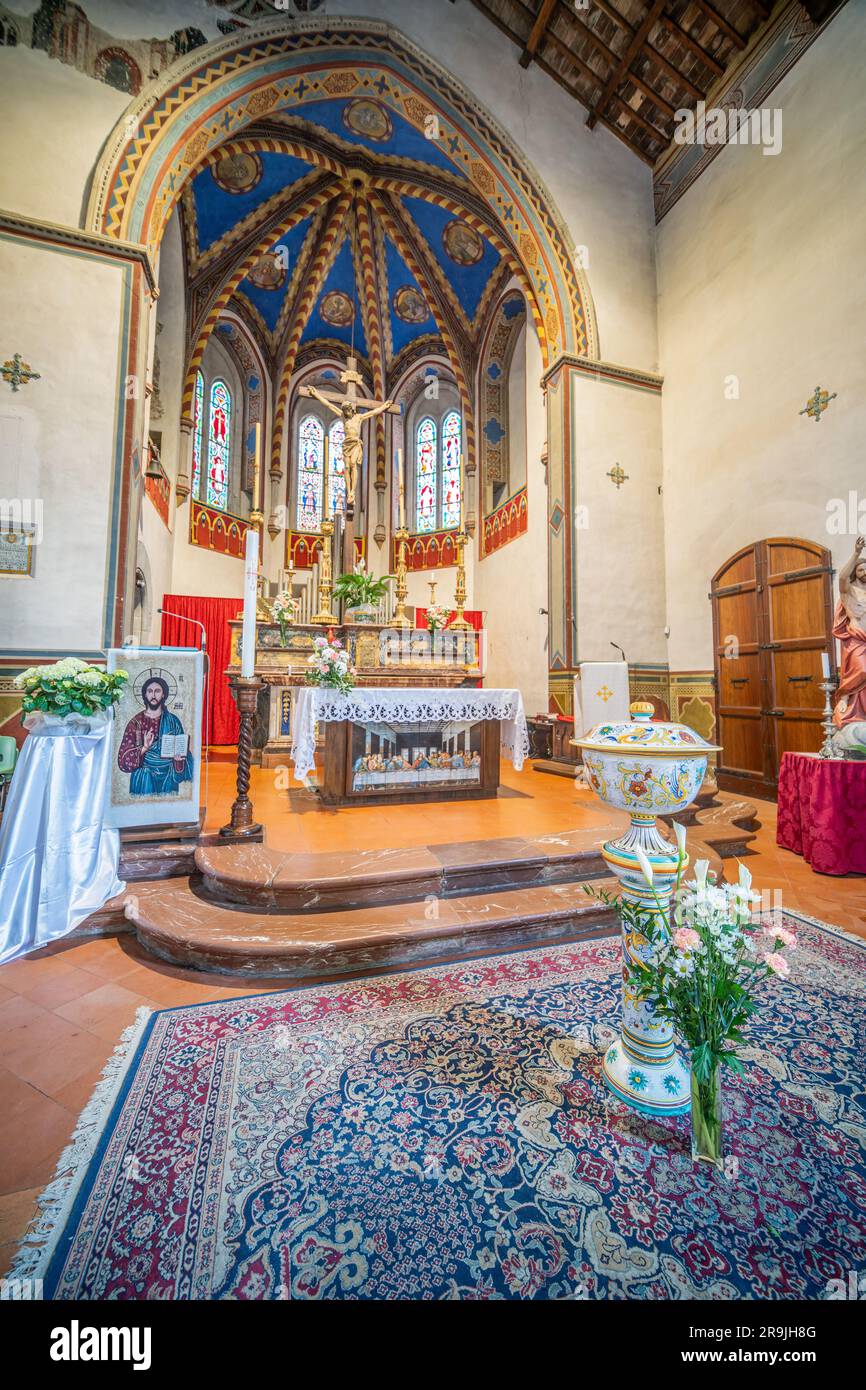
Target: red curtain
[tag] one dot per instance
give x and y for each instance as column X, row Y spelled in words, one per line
column 221, row 715
column 475, row 619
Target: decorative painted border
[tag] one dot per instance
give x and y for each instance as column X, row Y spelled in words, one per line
column 212, row 529
column 509, row 521
column 434, row 551
column 302, row 549
column 213, row 93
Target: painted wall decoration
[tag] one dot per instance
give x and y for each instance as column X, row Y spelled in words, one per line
column 435, row 551
column 410, row 305
column 156, row 736
column 337, row 309
column 505, row 524
column 503, row 479
column 62, row 29
column 238, row 172
column 217, row 530
column 368, row 118
column 462, row 243
column 268, row 273
column 302, row 549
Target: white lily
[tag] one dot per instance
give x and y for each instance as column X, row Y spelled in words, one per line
column 680, row 832
column 702, row 867
column 745, row 878
column 646, row 866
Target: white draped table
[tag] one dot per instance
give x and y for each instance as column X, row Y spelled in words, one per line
column 315, row 704
column 58, row 860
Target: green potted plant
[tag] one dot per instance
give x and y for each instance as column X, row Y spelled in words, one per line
column 361, row 593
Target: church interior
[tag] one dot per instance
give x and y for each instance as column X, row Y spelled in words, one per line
column 432, row 650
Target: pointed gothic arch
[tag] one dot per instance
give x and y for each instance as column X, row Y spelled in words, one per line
column 216, row 91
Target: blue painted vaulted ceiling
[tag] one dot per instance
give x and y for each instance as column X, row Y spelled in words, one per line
column 435, row 274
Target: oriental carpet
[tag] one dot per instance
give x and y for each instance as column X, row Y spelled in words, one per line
column 445, row 1134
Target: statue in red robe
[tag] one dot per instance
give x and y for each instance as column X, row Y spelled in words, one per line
column 850, row 627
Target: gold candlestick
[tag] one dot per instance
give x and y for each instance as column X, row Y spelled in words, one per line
column 400, row 588
column 324, row 615
column 458, row 622
column 432, row 586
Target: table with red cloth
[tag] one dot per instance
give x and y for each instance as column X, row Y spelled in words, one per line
column 822, row 812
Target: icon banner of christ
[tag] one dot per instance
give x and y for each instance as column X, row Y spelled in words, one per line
column 156, row 739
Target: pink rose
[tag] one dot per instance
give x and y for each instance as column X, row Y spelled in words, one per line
column 777, row 964
column 686, row 939
column 782, row 934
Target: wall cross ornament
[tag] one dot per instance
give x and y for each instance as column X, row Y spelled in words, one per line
column 617, row 476
column 17, row 372
column 604, row 694
column 817, row 404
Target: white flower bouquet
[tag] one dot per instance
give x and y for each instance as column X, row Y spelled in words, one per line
column 69, row 687
column 330, row 665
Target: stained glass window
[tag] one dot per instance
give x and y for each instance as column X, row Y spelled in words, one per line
column 336, row 466
column 451, row 470
column 197, row 432
column 425, row 475
column 311, row 452
column 218, row 446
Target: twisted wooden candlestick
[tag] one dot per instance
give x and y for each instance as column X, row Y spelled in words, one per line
column 242, row 826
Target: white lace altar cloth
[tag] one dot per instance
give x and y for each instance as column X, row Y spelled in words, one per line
column 315, row 704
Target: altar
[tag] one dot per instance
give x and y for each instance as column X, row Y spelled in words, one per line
column 407, row 744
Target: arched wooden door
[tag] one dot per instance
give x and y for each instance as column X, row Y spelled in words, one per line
column 772, row 618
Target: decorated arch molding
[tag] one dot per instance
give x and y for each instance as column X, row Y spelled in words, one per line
column 213, row 93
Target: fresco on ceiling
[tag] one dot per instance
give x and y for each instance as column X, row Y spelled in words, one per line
column 462, row 243
column 410, row 305
column 337, row 309
column 368, row 119
column 237, row 172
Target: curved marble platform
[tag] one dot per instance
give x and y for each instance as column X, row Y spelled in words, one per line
column 254, row 875
column 179, row 925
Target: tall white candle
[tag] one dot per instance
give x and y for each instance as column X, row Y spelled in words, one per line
column 825, row 665
column 251, row 577
column 402, row 488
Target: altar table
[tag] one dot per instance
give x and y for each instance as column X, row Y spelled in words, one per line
column 822, row 812
column 408, row 743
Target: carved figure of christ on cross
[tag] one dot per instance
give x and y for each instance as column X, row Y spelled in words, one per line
column 348, row 408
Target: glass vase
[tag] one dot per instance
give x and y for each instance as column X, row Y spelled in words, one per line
column 284, row 632
column 708, row 1129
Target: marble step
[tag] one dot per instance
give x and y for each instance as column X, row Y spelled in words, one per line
column 177, row 923
column 273, row 880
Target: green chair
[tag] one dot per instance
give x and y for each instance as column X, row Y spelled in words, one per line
column 8, row 759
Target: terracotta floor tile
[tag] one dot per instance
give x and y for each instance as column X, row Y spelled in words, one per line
column 60, row 989
column 103, row 1002
column 16, row 1213
column 32, row 1146
column 51, row 1055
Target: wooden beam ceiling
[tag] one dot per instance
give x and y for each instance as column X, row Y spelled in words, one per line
column 633, row 64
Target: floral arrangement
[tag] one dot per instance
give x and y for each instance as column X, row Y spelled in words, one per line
column 437, row 616
column 700, row 973
column 330, row 666
column 360, row 588
column 68, row 687
column 285, row 609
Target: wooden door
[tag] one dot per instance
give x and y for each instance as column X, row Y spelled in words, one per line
column 772, row 617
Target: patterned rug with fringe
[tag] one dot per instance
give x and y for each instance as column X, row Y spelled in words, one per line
column 445, row 1133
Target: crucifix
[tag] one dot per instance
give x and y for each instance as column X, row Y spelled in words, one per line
column 353, row 410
